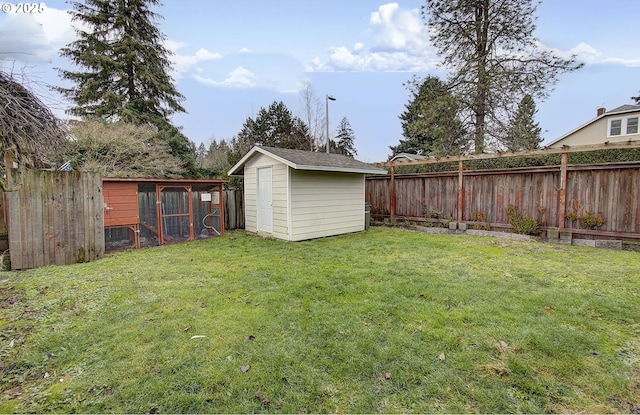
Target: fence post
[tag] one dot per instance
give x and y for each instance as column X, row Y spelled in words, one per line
column 460, row 209
column 562, row 203
column 392, row 194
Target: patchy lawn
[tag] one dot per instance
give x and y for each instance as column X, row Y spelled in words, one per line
column 386, row 320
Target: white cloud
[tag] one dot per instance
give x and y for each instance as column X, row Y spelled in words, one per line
column 187, row 63
column 244, row 50
column 34, row 37
column 238, row 78
column 395, row 29
column 400, row 44
column 589, row 55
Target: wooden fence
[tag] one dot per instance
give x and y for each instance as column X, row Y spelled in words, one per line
column 600, row 201
column 53, row 217
column 233, row 209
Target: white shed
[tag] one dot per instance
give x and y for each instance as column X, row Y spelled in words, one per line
column 297, row 195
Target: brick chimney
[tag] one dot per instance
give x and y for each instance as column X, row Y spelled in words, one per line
column 601, row 111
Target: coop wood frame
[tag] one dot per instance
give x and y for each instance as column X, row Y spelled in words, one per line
column 122, row 205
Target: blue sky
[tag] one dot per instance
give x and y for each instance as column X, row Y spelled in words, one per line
column 232, row 57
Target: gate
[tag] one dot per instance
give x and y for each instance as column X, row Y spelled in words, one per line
column 54, row 217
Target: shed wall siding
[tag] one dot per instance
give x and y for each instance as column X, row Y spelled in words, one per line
column 325, row 204
column 279, row 192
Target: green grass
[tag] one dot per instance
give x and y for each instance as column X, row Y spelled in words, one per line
column 386, row 320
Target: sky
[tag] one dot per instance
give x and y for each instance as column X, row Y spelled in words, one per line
column 233, row 57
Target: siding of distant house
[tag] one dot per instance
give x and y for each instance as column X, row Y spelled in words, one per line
column 597, row 132
column 279, row 194
column 325, row 203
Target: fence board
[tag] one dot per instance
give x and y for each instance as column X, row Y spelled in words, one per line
column 234, row 209
column 610, row 190
column 54, row 217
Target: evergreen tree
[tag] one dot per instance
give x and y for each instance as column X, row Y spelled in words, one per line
column 524, row 131
column 217, row 155
column 124, row 66
column 344, row 139
column 494, row 58
column 430, row 123
column 123, row 72
column 274, row 127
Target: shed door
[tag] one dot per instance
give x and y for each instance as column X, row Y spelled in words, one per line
column 265, row 209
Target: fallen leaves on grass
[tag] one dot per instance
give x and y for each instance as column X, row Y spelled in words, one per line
column 264, row 401
column 502, row 346
column 245, row 368
column 496, row 368
column 442, row 357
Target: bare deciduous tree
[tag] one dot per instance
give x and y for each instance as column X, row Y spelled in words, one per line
column 494, row 58
column 28, row 129
column 313, row 115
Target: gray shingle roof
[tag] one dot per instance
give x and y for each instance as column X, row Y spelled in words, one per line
column 309, row 160
column 624, row 108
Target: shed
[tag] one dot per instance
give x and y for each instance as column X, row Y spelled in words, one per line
column 142, row 212
column 296, row 195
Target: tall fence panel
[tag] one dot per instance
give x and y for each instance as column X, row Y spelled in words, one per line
column 54, row 217
column 611, row 193
column 234, row 209
column 534, row 193
column 601, row 200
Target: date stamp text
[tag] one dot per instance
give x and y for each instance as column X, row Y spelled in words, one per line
column 22, row 8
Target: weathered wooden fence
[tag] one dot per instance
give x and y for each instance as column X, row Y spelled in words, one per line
column 592, row 200
column 54, row 217
column 233, row 209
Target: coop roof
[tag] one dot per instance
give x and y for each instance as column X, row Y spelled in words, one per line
column 308, row 160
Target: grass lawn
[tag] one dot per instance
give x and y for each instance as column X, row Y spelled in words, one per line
column 386, row 320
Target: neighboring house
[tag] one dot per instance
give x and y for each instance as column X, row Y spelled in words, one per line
column 617, row 125
column 407, row 157
column 296, row 195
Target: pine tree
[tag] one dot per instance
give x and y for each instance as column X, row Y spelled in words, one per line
column 430, row 123
column 524, row 131
column 275, row 127
column 124, row 67
column 344, row 139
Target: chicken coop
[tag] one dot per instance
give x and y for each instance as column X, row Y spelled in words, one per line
column 151, row 212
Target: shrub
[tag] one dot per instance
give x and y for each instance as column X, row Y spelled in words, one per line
column 525, row 225
column 590, row 221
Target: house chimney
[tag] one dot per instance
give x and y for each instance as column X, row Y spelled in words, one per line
column 601, row 111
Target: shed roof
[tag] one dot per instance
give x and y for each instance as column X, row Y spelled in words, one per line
column 308, row 160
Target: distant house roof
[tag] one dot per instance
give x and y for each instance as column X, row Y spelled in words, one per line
column 408, row 156
column 308, row 160
column 623, row 109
